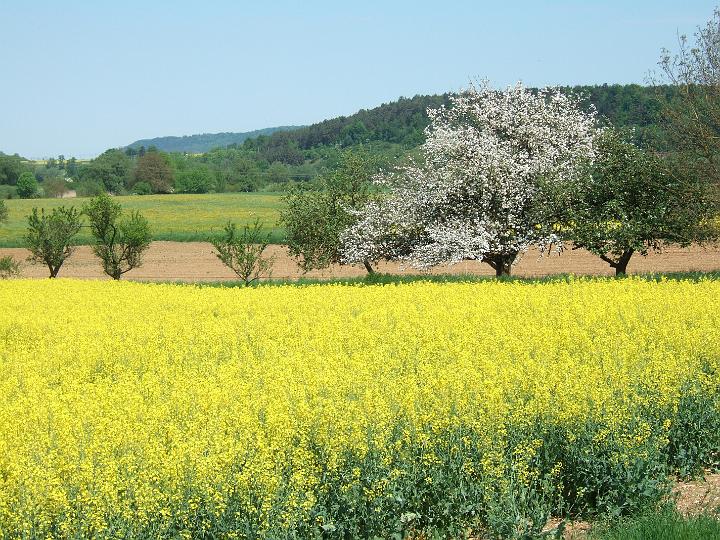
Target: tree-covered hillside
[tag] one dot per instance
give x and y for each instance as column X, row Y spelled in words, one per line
column 278, row 157
column 401, row 123
column 195, row 144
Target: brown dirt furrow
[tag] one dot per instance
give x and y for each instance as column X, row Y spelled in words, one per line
column 195, row 261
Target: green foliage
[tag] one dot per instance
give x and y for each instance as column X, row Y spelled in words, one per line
column 694, row 437
column 242, row 252
column 27, row 186
column 111, row 169
column 49, row 236
column 633, row 202
column 119, row 240
column 43, row 173
column 55, row 187
column 198, row 180
column 3, row 211
column 8, row 192
column 89, row 188
column 315, row 218
column 11, row 167
column 71, row 167
column 142, row 188
column 9, row 267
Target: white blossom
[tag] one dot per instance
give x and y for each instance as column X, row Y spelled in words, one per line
column 490, row 161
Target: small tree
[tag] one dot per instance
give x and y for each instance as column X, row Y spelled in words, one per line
column 27, row 186
column 242, row 252
column 9, row 267
column 49, row 236
column 633, row 202
column 315, row 218
column 119, row 240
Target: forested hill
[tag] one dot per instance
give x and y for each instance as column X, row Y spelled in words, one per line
column 402, row 122
column 195, row 144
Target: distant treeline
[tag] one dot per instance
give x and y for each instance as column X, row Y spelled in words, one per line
column 278, row 157
column 196, row 144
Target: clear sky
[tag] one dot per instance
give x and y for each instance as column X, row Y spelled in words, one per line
column 77, row 77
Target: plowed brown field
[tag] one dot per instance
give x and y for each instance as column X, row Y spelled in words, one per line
column 195, row 261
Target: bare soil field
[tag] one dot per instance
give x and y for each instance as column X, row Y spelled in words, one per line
column 195, row 261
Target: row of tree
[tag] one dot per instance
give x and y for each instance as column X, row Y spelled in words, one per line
column 501, row 172
column 120, row 240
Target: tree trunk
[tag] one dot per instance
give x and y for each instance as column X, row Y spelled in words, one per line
column 53, row 271
column 502, row 264
column 368, row 267
column 622, row 262
column 620, row 265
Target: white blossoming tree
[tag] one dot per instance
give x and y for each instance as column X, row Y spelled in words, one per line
column 493, row 163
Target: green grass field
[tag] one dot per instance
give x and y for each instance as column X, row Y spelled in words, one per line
column 663, row 525
column 182, row 218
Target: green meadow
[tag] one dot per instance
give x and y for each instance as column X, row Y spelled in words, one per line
column 182, row 218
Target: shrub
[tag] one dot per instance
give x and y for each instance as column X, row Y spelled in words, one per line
column 242, row 252
column 9, row 267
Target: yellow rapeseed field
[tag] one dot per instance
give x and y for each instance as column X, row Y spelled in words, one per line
column 145, row 410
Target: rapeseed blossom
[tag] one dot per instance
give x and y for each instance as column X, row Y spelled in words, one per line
column 158, row 410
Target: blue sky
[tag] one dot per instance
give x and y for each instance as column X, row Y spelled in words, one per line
column 80, row 77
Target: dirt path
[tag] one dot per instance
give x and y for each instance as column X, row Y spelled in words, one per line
column 195, row 261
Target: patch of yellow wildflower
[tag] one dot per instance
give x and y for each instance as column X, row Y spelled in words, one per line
column 137, row 410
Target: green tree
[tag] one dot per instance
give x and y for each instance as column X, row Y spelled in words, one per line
column 111, row 168
column 278, row 173
column 49, row 236
column 634, row 202
column 71, row 167
column 27, row 186
column 119, row 240
column 11, row 167
column 55, row 187
column 242, row 251
column 194, row 181
column 315, row 218
column 154, row 169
